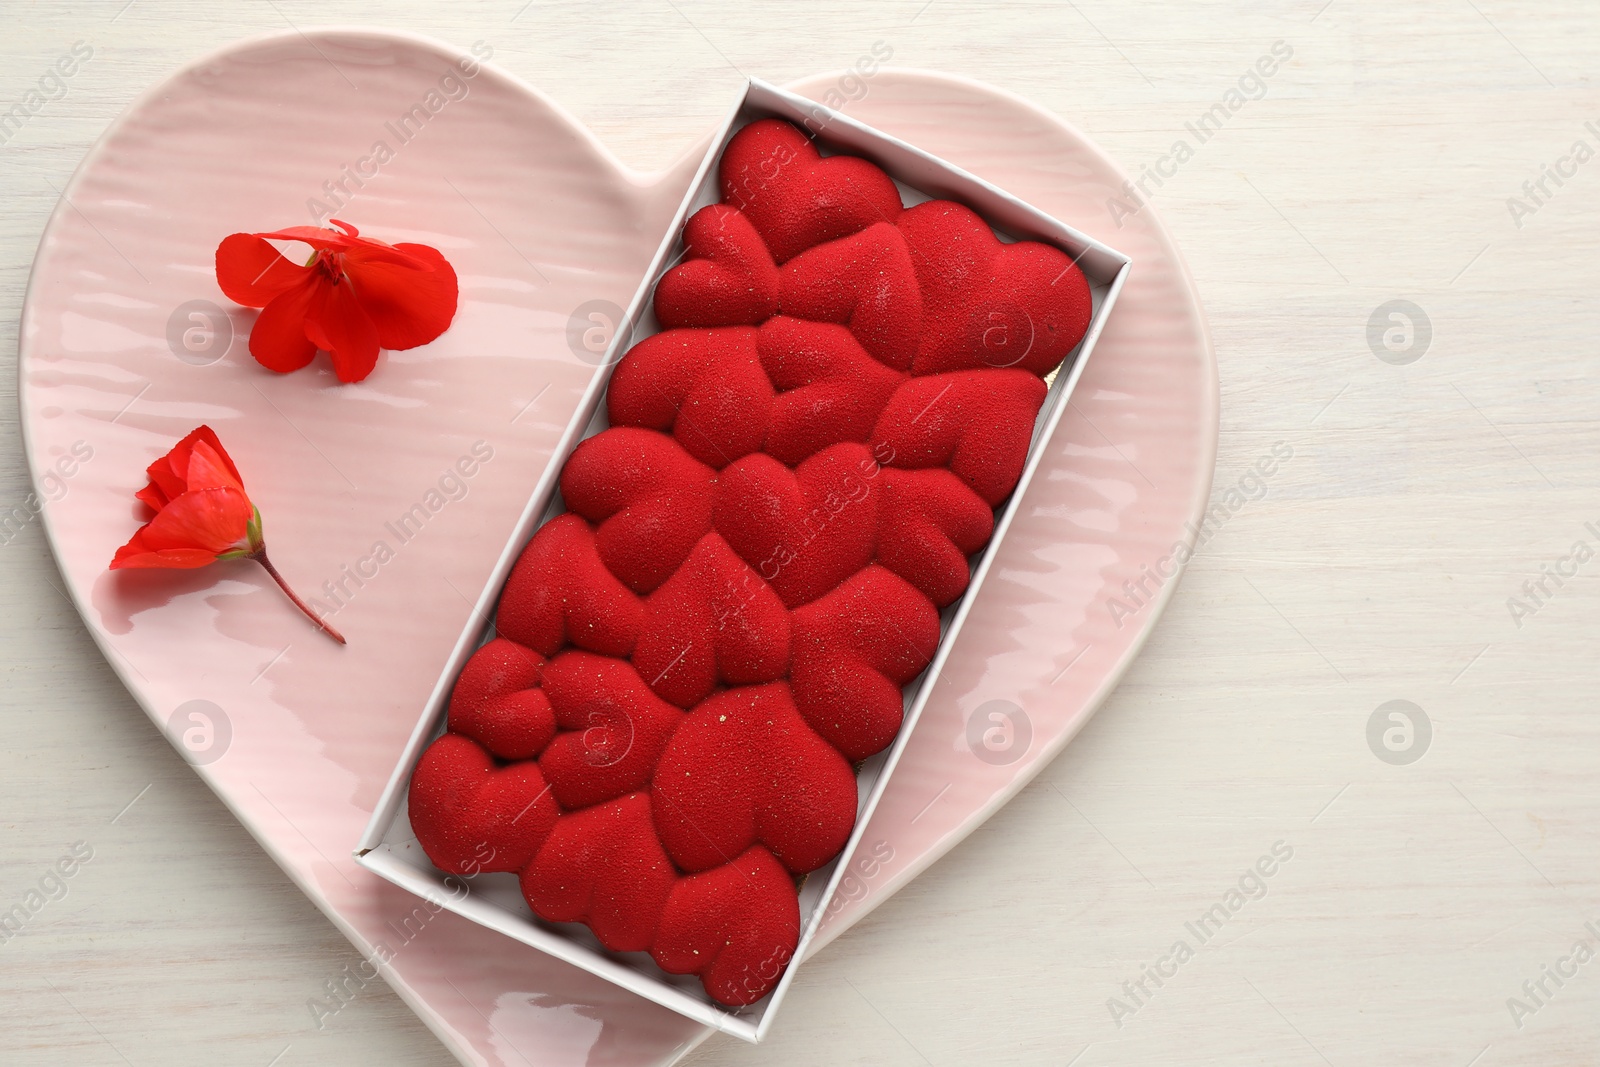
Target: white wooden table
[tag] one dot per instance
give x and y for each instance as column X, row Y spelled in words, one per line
column 1431, row 477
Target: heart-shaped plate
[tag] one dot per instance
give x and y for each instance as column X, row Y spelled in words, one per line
column 127, row 344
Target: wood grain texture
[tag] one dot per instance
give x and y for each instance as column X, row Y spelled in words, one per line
column 1375, row 565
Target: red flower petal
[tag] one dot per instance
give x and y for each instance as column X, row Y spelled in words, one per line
column 209, row 470
column 166, row 480
column 153, row 497
column 409, row 307
column 212, row 519
column 207, row 522
column 334, row 241
column 278, row 340
column 169, row 475
column 252, row 272
column 338, row 325
column 133, row 556
column 318, row 237
column 209, row 436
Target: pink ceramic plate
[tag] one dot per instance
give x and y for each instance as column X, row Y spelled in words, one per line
column 539, row 221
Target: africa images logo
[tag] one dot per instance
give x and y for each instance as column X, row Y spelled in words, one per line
column 1252, row 885
column 1251, row 486
column 1251, row 85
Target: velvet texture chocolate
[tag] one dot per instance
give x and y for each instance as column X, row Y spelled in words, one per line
column 659, row 740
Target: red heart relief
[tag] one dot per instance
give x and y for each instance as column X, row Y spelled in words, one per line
column 649, row 499
column 795, row 198
column 929, row 522
column 729, row 279
column 716, row 622
column 736, row 926
column 804, row 530
column 498, row 704
column 853, row 651
column 704, row 386
column 472, row 815
column 745, row 769
column 799, row 468
column 604, row 867
column 560, row 592
column 866, row 282
column 832, row 390
column 990, row 304
column 613, row 729
column 975, row 423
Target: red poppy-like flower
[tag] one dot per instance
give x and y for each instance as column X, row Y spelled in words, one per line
column 202, row 515
column 351, row 298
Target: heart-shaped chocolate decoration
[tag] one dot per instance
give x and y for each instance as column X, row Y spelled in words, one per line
column 866, row 282
column 472, row 815
column 605, row 867
column 613, row 729
column 650, row 500
column 728, row 279
column 806, row 530
column 497, row 702
column 978, row 424
column 794, row 197
column 716, row 622
column 831, row 389
column 560, row 592
column 705, row 387
column 744, row 768
column 986, row 303
column 929, row 522
column 853, row 650
column 736, row 926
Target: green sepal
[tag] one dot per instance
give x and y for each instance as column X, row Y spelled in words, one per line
column 252, row 533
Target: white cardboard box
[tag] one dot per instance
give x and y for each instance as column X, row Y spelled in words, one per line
column 390, row 849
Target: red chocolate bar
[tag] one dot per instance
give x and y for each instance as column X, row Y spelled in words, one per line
column 659, row 740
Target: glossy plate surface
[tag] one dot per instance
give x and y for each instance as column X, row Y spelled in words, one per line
column 539, row 221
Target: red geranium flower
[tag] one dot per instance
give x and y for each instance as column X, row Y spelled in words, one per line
column 202, row 515
column 352, row 297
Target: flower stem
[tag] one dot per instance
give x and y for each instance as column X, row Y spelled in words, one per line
column 260, row 556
